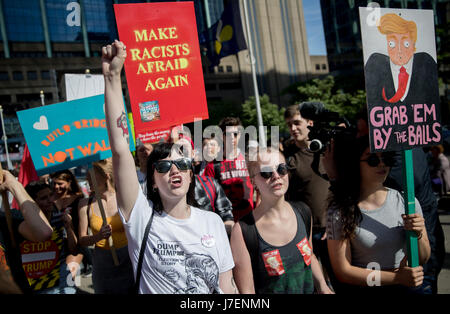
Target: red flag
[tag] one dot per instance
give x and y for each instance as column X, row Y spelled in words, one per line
column 27, row 172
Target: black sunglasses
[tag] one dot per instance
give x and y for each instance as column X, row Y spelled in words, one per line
column 282, row 170
column 373, row 160
column 163, row 166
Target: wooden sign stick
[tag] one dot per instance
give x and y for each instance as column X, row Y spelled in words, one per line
column 7, row 212
column 102, row 211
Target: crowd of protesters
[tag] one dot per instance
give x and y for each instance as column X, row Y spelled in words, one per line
column 254, row 221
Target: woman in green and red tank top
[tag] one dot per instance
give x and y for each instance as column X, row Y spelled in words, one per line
column 271, row 247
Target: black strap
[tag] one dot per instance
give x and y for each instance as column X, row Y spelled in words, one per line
column 141, row 253
column 250, row 235
column 304, row 212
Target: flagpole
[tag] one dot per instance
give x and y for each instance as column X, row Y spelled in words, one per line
column 208, row 17
column 5, row 139
column 262, row 134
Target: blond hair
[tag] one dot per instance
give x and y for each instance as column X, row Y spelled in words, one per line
column 393, row 24
column 104, row 168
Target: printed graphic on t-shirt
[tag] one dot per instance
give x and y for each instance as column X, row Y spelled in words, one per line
column 200, row 270
column 208, row 240
column 273, row 263
column 304, row 248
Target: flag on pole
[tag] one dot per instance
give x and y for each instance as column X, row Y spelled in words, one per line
column 27, row 172
column 226, row 36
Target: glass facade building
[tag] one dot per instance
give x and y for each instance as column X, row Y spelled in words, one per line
column 60, row 21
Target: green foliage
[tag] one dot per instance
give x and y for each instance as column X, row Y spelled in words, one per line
column 443, row 53
column 324, row 90
column 218, row 109
column 271, row 114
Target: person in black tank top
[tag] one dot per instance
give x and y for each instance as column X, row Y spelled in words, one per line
column 272, row 245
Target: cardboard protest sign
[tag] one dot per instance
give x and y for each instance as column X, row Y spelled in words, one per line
column 67, row 134
column 83, row 85
column 163, row 65
column 39, row 258
column 401, row 78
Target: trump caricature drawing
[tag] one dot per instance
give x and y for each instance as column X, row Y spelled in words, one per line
column 402, row 76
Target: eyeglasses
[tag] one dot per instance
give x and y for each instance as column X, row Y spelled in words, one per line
column 163, row 166
column 373, row 160
column 282, row 170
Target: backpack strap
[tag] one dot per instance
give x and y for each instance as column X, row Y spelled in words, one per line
column 304, row 212
column 141, row 253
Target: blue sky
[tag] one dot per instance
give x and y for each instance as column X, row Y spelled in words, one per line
column 314, row 27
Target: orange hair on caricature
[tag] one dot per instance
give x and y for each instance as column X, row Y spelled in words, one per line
column 392, row 23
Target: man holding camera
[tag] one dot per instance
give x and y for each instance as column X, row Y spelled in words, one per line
column 304, row 184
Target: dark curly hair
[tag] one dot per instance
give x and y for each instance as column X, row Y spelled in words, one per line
column 346, row 195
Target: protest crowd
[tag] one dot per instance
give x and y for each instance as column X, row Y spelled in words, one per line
column 230, row 217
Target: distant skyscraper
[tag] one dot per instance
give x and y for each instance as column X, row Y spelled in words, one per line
column 41, row 40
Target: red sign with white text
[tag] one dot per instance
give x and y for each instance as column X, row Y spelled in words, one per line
column 163, row 65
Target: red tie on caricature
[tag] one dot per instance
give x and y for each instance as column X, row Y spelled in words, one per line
column 403, row 77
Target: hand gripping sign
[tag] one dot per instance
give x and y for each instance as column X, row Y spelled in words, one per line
column 163, row 65
column 402, row 89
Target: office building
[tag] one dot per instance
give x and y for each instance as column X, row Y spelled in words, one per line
column 41, row 40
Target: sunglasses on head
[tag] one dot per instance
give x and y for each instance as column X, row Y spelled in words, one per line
column 373, row 160
column 282, row 170
column 163, row 166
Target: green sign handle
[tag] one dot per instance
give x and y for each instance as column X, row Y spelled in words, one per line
column 410, row 206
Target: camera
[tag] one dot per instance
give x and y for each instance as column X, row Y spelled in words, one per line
column 327, row 125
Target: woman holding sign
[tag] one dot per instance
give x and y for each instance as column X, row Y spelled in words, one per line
column 174, row 247
column 106, row 277
column 66, row 197
column 366, row 225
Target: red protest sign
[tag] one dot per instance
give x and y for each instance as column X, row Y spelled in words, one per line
column 163, row 65
column 39, row 258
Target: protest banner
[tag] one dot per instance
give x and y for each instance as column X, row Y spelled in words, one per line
column 402, row 89
column 163, row 65
column 39, row 258
column 66, row 135
column 83, row 85
column 401, row 78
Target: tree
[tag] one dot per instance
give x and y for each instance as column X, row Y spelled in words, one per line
column 271, row 114
column 335, row 99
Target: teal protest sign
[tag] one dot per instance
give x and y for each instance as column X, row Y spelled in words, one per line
column 67, row 134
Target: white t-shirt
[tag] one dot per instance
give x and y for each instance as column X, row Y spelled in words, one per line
column 142, row 178
column 182, row 255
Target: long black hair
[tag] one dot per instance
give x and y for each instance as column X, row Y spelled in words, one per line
column 346, row 195
column 161, row 151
